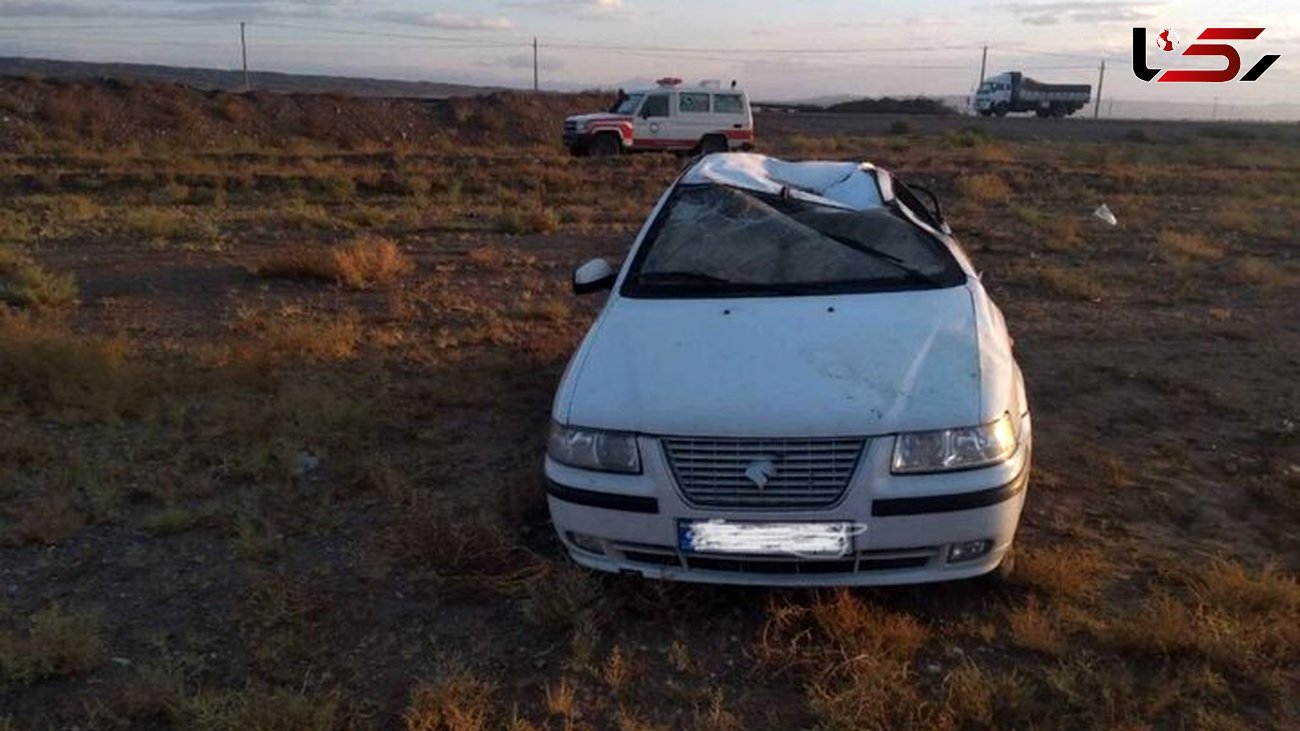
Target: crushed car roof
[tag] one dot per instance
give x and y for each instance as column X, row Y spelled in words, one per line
column 841, row 184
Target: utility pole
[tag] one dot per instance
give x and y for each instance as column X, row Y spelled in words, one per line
column 1101, row 77
column 984, row 58
column 243, row 49
column 536, row 86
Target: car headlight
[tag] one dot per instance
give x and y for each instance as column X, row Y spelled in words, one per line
column 955, row 449
column 593, row 449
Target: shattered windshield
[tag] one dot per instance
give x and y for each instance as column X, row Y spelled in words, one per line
column 629, row 105
column 716, row 240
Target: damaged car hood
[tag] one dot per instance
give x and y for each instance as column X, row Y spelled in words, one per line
column 833, row 366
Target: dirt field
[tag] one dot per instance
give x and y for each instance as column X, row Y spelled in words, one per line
column 272, row 415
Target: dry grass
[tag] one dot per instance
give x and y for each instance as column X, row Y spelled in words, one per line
column 48, row 370
column 1264, row 273
column 1034, row 629
column 34, row 287
column 370, row 260
column 984, row 188
column 1189, row 245
column 163, row 224
column 459, row 702
column 273, row 710
column 530, row 220
column 276, row 336
column 1063, row 572
column 364, row 262
column 859, row 656
column 56, row 643
column 1071, row 283
column 1055, row 231
column 563, row 597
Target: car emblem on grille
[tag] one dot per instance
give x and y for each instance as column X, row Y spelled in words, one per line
column 760, row 471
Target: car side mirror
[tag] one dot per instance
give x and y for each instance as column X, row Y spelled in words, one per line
column 593, row 276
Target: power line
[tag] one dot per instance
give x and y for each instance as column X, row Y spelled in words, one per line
column 411, row 36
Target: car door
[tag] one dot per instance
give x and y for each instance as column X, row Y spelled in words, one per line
column 652, row 126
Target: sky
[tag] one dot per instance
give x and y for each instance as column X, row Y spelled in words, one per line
column 777, row 49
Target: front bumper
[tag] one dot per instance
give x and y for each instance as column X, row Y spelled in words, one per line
column 629, row 523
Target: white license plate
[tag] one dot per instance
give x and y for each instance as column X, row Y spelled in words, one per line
column 803, row 540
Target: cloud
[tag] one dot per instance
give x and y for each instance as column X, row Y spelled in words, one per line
column 578, row 9
column 176, row 9
column 444, row 21
column 1077, row 11
column 37, row 9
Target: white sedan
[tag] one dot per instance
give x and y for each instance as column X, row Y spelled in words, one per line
column 797, row 379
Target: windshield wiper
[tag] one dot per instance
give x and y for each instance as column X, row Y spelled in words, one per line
column 912, row 274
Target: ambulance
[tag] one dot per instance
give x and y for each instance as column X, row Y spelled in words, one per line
column 666, row 117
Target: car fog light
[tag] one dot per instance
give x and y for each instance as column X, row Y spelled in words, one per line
column 590, row 544
column 968, row 551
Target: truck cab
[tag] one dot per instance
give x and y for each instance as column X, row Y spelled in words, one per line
column 666, row 117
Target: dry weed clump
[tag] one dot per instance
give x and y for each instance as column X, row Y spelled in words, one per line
column 278, row 710
column 454, row 544
column 460, row 702
column 34, row 287
column 1057, row 232
column 1237, row 619
column 984, row 188
column 364, row 262
column 370, row 260
column 1069, row 573
column 563, row 597
column 1071, row 283
column 528, row 220
column 57, row 643
column 858, row 656
column 1189, row 245
column 276, row 336
column 49, row 370
column 1264, row 273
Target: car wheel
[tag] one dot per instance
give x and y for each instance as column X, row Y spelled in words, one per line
column 604, row 145
column 712, row 144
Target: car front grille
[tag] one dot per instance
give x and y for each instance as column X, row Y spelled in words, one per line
column 800, row 473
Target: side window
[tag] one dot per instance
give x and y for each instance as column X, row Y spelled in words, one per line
column 728, row 104
column 693, row 101
column 656, row 105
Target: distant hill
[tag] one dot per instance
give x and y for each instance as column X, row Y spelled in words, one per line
column 226, row 80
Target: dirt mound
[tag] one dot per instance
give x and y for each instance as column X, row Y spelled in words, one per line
column 115, row 114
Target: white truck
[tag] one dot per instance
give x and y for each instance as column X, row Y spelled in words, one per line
column 668, row 116
column 1014, row 92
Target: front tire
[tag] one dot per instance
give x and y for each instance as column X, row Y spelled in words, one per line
column 604, row 145
column 1000, row 109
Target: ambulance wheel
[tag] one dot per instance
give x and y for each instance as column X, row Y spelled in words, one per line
column 713, row 143
column 604, row 145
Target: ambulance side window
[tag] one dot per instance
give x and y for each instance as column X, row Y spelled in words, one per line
column 656, row 105
column 727, row 104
